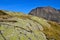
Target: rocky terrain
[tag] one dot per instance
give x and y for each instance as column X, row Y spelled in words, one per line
column 19, row 26
column 48, row 13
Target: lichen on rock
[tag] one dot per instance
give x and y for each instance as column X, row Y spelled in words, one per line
column 18, row 26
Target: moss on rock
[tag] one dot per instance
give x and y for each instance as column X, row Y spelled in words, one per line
column 27, row 27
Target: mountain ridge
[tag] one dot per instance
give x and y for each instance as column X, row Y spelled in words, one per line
column 48, row 13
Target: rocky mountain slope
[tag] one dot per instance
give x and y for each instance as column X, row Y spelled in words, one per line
column 48, row 13
column 19, row 26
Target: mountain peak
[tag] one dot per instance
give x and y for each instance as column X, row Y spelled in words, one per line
column 45, row 7
column 47, row 12
column 48, row 7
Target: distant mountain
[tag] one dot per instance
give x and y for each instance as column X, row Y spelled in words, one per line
column 48, row 13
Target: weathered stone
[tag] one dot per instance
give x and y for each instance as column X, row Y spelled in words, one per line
column 28, row 27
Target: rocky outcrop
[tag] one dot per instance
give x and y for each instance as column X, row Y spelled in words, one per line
column 18, row 26
column 48, row 13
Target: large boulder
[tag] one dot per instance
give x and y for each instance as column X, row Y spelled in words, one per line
column 18, row 26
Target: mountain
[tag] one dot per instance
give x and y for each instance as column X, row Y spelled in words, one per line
column 19, row 26
column 48, row 13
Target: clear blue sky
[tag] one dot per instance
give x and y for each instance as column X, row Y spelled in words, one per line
column 26, row 5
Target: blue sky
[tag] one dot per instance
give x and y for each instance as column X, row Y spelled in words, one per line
column 26, row 6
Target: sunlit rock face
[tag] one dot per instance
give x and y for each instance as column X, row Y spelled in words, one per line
column 48, row 13
column 19, row 26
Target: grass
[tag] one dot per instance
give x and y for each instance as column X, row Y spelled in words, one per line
column 50, row 29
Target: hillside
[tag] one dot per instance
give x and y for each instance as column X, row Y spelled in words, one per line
column 19, row 26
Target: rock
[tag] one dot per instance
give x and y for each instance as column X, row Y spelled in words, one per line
column 27, row 27
column 48, row 13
